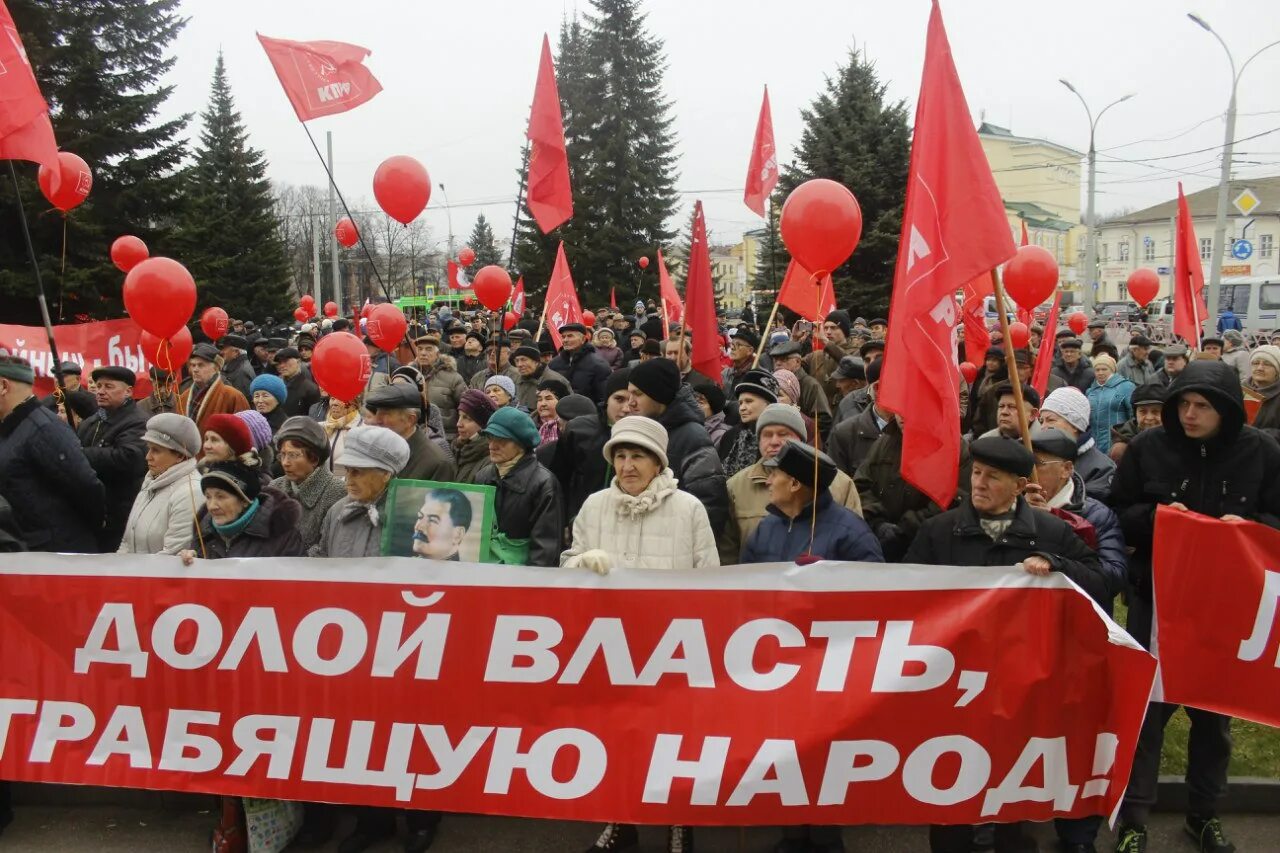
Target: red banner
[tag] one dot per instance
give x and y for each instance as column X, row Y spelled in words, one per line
column 828, row 694
column 1216, row 634
column 113, row 342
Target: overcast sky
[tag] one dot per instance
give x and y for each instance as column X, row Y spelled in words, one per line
column 458, row 79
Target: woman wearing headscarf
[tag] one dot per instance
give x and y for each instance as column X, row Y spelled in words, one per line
column 302, row 451
column 529, row 510
column 160, row 521
column 1109, row 400
column 1263, row 387
column 471, row 449
column 607, row 346
column 549, row 393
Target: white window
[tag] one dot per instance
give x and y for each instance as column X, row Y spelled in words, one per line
column 1123, row 251
column 1206, row 248
column 1264, row 245
column 1106, row 252
column 1149, row 249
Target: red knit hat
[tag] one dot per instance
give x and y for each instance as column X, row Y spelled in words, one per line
column 232, row 430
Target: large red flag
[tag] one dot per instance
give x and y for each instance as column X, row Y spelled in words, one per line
column 672, row 307
column 1189, row 309
column 321, row 78
column 562, row 298
column 803, row 294
column 762, row 172
column 548, row 195
column 25, row 131
column 1044, row 358
column 517, row 297
column 700, row 302
column 953, row 229
column 977, row 337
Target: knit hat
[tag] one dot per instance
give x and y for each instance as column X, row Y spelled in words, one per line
column 259, row 429
column 712, row 392
column 1233, row 335
column 641, row 432
column 374, row 447
column 477, row 406
column 513, row 424
column 1105, row 359
column 235, row 477
column 841, row 319
column 527, row 352
column 780, row 414
column 575, row 406
column 1268, row 353
column 788, row 384
column 306, row 432
column 272, row 384
column 232, row 430
column 748, row 337
column 617, row 381
column 850, row 367
column 604, row 333
column 556, row 386
column 17, row 369
column 1069, row 404
column 176, row 432
column 758, row 382
column 658, row 378
column 502, row 381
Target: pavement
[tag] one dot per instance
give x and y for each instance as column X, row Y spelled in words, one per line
column 116, row 829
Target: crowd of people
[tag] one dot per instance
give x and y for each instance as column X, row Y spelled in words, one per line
column 612, row 453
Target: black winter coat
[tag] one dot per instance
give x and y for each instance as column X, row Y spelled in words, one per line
column 303, row 393
column 693, row 459
column 1236, row 472
column 955, row 538
column 529, row 506
column 273, row 532
column 579, row 462
column 239, row 374
column 58, row 502
column 113, row 444
column 586, row 370
column 838, row 534
column 1080, row 378
column 851, row 441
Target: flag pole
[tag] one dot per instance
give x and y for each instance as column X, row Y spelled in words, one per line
column 59, row 381
column 515, row 224
column 542, row 321
column 768, row 326
column 817, row 435
column 1011, row 365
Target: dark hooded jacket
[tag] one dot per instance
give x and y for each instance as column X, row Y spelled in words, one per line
column 838, row 534
column 112, row 442
column 1235, row 472
column 585, row 369
column 238, row 373
column 693, row 458
column 579, row 462
column 528, row 506
column 851, row 440
column 273, row 532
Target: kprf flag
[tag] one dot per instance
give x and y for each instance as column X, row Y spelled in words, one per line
column 953, row 229
column 25, row 131
column 517, row 297
column 1044, row 358
column 321, row 78
column 457, row 276
column 562, row 298
column 672, row 306
column 549, row 196
column 700, row 301
column 762, row 171
column 977, row 338
column 1189, row 309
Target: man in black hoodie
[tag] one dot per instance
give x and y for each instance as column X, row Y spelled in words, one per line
column 1204, row 458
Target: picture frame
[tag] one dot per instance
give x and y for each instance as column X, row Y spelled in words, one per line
column 438, row 521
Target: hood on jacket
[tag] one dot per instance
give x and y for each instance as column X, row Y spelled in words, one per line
column 683, row 410
column 1217, row 382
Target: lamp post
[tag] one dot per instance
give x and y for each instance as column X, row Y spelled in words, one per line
column 1224, row 179
column 1090, row 246
column 448, row 212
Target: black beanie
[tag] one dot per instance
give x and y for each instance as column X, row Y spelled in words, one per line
column 658, row 378
column 617, row 381
column 841, row 319
column 712, row 392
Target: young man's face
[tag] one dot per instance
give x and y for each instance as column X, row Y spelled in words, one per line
column 1199, row 419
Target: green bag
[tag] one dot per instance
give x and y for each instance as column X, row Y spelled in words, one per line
column 507, row 551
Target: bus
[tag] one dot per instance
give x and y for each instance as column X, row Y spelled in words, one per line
column 1254, row 299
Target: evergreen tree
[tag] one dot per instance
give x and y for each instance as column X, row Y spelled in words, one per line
column 229, row 235
column 853, row 136
column 482, row 243
column 100, row 64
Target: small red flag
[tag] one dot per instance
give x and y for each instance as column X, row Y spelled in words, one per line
column 954, row 228
column 977, row 337
column 762, row 172
column 562, row 298
column 803, row 294
column 25, row 131
column 457, row 276
column 517, row 297
column 321, row 78
column 1189, row 309
column 1044, row 358
column 549, row 196
column 613, row 298
column 700, row 302
column 672, row 307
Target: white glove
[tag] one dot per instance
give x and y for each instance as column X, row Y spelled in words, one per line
column 597, row 560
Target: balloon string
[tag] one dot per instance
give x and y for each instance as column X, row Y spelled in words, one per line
column 817, row 434
column 62, row 273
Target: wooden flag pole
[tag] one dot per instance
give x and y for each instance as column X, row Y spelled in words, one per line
column 542, row 321
column 1011, row 365
column 765, row 331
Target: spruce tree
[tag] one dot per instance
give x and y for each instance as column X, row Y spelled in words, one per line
column 229, row 235
column 101, row 66
column 483, row 244
column 852, row 135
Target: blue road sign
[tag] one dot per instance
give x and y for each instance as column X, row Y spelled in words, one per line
column 1241, row 250
column 1163, row 270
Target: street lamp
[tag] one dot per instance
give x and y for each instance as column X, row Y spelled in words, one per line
column 1224, row 179
column 1090, row 247
column 448, row 212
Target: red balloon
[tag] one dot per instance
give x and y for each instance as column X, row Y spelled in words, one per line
column 386, row 326
column 509, row 320
column 168, row 354
column 1078, row 322
column 589, row 319
column 466, row 256
column 821, row 224
column 643, row 262
column 402, row 187
column 214, row 322
column 160, row 295
column 300, row 314
column 1019, row 335
column 341, row 365
column 309, row 302
column 969, row 371
column 492, row 286
column 1031, row 276
column 74, row 182
column 346, row 232
column 1143, row 286
column 331, row 309
column 127, row 252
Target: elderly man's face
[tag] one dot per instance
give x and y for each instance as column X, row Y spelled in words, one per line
column 202, row 371
column 111, row 393
column 472, row 347
column 992, row 491
column 457, row 339
column 572, row 340
column 790, row 362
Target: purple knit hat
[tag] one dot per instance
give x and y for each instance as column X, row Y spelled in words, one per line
column 259, row 429
column 477, row 405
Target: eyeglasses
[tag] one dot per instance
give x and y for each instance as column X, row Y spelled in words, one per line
column 1041, row 463
column 292, row 456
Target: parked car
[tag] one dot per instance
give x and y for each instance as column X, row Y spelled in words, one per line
column 1120, row 312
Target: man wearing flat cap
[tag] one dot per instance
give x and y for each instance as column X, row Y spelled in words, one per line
column 208, row 394
column 1137, row 366
column 398, row 407
column 528, row 363
column 578, row 362
column 742, row 353
column 1074, row 369
column 303, row 393
column 237, row 371
column 112, row 442
column 834, row 333
column 789, row 355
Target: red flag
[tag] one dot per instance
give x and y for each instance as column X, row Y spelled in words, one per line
column 762, row 171
column 954, row 228
column 562, row 299
column 548, row 195
column 517, row 297
column 1044, row 358
column 1024, row 233
column 457, row 276
column 700, row 316
column 321, row 78
column 672, row 307
column 977, row 337
column 613, row 298
column 25, row 131
column 1189, row 309
column 804, row 295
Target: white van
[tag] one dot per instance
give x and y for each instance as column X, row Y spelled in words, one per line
column 1254, row 299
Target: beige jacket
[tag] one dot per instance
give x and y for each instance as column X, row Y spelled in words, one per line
column 748, row 499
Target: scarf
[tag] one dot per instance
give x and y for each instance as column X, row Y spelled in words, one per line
column 355, row 509
column 505, row 468
column 235, row 528
column 744, row 452
column 549, row 430
column 332, row 425
column 995, row 526
column 631, row 507
column 1064, row 495
column 1265, row 392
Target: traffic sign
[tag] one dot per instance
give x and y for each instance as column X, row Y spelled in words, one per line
column 1163, row 270
column 1241, row 249
column 1247, row 201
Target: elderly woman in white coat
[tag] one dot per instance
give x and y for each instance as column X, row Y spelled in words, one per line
column 160, row 521
column 641, row 521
